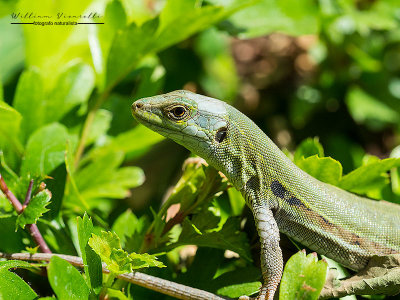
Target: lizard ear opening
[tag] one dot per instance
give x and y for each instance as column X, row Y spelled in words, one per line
column 221, row 134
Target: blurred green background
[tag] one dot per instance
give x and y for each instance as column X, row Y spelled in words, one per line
column 299, row 69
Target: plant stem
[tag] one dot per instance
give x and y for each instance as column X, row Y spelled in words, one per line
column 33, row 229
column 88, row 124
column 160, row 285
column 28, row 195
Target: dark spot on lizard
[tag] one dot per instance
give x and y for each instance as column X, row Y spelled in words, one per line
column 296, row 202
column 278, row 189
column 253, row 183
column 355, row 239
column 325, row 220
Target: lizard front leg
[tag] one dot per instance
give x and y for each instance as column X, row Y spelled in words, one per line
column 271, row 253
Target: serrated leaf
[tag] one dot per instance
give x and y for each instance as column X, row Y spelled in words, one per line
column 309, row 147
column 118, row 261
column 91, row 260
column 145, row 260
column 303, row 277
column 45, row 150
column 108, row 247
column 325, row 169
column 66, row 281
column 369, row 176
column 35, row 209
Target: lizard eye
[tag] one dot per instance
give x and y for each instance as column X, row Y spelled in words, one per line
column 178, row 112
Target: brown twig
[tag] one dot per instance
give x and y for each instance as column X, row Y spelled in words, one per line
column 33, row 229
column 163, row 286
column 28, row 195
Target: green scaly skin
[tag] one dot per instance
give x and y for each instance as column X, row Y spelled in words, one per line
column 343, row 226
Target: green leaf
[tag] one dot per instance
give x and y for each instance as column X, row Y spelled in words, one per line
column 370, row 176
column 8, row 264
column 178, row 20
column 118, row 261
column 45, row 150
column 10, row 121
column 364, row 108
column 220, row 79
column 236, row 201
column 73, row 87
column 145, row 260
column 266, row 16
column 303, row 277
column 134, row 142
column 29, row 101
column 395, row 173
column 103, row 178
column 35, row 209
column 204, row 231
column 101, row 37
column 12, row 54
column 91, row 261
column 309, row 147
column 54, row 46
column 133, row 235
column 238, row 282
column 116, row 294
column 66, row 281
column 11, row 285
column 240, row 289
column 100, row 125
column 7, row 232
column 325, row 169
column 123, row 57
column 182, row 18
column 120, row 228
column 108, row 247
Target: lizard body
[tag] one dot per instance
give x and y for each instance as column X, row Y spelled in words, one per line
column 341, row 225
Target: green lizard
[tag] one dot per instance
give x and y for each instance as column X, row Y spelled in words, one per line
column 333, row 222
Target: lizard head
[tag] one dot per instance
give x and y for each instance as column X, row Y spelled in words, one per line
column 197, row 122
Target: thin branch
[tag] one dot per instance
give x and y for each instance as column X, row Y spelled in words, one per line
column 38, row 238
column 33, row 229
column 160, row 285
column 10, row 196
column 28, row 195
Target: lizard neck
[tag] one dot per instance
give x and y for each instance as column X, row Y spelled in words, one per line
column 249, row 158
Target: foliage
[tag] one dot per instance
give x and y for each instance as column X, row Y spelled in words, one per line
column 304, row 277
column 326, row 68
